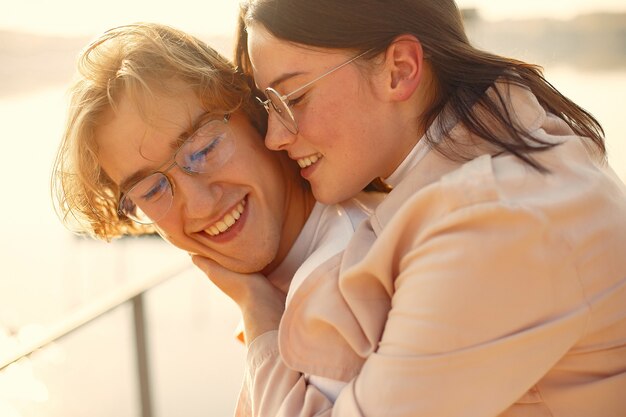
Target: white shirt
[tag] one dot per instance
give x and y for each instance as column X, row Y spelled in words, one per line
column 326, row 232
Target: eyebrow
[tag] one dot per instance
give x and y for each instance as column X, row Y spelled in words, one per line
column 174, row 145
column 134, row 178
column 284, row 78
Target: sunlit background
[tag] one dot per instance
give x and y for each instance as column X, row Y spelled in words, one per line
column 50, row 279
column 216, row 17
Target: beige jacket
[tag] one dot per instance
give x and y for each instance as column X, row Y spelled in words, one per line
column 477, row 289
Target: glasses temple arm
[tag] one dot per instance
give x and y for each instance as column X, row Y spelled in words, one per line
column 286, row 96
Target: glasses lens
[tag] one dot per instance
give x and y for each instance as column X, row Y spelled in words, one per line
column 282, row 110
column 149, row 200
column 208, row 149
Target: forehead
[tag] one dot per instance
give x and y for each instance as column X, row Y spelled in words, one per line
column 138, row 133
column 272, row 58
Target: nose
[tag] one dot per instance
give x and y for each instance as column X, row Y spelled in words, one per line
column 278, row 138
column 195, row 195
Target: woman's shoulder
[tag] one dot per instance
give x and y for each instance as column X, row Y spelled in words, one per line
column 577, row 203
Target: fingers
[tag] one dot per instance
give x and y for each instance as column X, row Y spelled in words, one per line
column 205, row 264
column 231, row 283
column 261, row 303
column 240, row 287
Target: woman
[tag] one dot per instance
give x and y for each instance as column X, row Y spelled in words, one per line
column 164, row 134
column 492, row 279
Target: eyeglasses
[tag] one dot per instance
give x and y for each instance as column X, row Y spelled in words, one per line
column 281, row 103
column 204, row 152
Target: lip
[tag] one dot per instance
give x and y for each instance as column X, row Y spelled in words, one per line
column 232, row 231
column 307, row 171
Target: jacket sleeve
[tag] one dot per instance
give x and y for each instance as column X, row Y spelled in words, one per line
column 270, row 388
column 486, row 301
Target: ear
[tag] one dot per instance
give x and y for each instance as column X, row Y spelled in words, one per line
column 404, row 62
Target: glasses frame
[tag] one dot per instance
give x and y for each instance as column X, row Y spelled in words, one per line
column 283, row 98
column 163, row 172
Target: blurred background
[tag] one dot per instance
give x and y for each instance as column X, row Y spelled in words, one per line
column 148, row 334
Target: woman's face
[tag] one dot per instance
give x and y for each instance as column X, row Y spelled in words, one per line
column 252, row 181
column 348, row 129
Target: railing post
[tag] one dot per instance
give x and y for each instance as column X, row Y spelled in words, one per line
column 142, row 356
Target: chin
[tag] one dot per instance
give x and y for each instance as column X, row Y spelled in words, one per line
column 329, row 198
column 241, row 269
column 246, row 267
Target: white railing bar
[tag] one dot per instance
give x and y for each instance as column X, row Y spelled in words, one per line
column 90, row 312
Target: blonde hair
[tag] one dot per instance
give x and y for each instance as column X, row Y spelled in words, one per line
column 137, row 60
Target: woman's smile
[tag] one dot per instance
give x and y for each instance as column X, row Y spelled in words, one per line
column 309, row 160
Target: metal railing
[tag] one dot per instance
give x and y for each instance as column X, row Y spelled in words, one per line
column 133, row 293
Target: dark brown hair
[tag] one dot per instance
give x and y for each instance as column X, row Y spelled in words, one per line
column 462, row 72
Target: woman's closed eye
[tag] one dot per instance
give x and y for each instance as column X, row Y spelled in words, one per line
column 293, row 101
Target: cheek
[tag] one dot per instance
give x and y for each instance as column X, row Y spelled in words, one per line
column 337, row 120
column 169, row 231
column 341, row 134
column 322, row 124
column 250, row 151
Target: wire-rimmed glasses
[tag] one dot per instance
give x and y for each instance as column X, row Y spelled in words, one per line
column 204, row 152
column 281, row 104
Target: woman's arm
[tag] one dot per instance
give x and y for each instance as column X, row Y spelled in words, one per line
column 485, row 304
column 267, row 381
column 260, row 302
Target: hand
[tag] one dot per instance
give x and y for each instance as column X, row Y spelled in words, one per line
column 260, row 302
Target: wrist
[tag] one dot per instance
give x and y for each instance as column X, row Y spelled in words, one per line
column 261, row 316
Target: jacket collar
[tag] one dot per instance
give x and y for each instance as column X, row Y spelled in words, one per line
column 519, row 102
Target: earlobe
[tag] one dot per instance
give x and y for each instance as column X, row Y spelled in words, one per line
column 404, row 61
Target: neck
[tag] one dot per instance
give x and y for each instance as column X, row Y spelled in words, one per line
column 297, row 207
column 410, row 121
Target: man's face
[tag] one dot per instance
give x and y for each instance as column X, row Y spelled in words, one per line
column 251, row 187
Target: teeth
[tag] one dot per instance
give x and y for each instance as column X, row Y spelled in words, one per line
column 222, row 226
column 309, row 160
column 227, row 221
